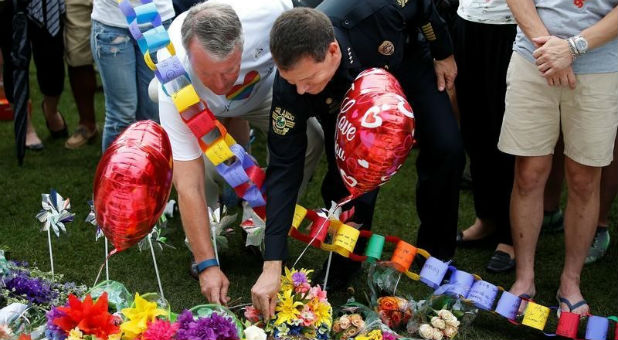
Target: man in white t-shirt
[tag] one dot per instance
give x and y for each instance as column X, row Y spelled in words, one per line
column 224, row 46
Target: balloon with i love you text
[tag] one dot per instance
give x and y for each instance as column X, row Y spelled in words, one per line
column 132, row 183
column 375, row 131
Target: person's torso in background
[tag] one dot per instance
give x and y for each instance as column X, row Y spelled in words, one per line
column 566, row 18
column 495, row 12
column 107, row 11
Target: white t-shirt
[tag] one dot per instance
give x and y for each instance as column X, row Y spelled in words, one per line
column 495, row 12
column 108, row 13
column 254, row 83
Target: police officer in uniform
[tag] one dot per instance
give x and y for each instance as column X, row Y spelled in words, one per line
column 318, row 53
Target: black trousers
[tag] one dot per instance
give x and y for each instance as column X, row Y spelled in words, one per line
column 439, row 165
column 47, row 51
column 483, row 52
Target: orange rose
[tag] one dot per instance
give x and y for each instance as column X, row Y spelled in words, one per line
column 396, row 319
column 388, row 303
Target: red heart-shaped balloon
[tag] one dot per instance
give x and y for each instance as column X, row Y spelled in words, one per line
column 132, row 183
column 375, row 131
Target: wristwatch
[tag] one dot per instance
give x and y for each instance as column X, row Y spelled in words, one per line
column 579, row 44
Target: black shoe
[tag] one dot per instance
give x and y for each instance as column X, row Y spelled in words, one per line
column 193, row 270
column 62, row 133
column 35, row 147
column 483, row 242
column 500, row 262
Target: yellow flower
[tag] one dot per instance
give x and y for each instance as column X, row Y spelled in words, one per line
column 75, row 334
column 286, row 308
column 139, row 317
column 373, row 335
column 322, row 311
column 114, row 336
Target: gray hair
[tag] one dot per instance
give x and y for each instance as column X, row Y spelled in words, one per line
column 215, row 25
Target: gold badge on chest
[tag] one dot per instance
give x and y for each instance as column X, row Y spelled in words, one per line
column 402, row 2
column 386, row 48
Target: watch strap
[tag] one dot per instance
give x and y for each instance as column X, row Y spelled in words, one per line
column 206, row 264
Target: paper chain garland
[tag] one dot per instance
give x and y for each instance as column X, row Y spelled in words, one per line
column 243, row 174
column 247, row 179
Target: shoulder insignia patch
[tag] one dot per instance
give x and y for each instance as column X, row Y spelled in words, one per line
column 282, row 121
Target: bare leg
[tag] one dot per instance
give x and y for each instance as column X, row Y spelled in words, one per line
column 31, row 136
column 531, row 175
column 581, row 217
column 609, row 187
column 480, row 229
column 50, row 111
column 553, row 188
column 83, row 84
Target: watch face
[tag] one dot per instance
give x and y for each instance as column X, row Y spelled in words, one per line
column 581, row 44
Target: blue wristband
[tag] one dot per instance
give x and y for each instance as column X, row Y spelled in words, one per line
column 206, row 264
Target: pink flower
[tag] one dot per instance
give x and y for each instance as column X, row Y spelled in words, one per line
column 302, row 288
column 307, row 316
column 388, row 336
column 252, row 314
column 317, row 292
column 160, row 330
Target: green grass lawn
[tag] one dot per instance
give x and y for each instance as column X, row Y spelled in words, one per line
column 78, row 256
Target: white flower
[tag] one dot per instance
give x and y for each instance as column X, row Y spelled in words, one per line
column 437, row 334
column 426, row 331
column 255, row 333
column 445, row 314
column 450, row 332
column 453, row 322
column 437, row 322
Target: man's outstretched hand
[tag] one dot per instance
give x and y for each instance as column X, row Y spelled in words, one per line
column 264, row 292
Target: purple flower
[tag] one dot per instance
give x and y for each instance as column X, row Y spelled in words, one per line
column 52, row 331
column 215, row 326
column 33, row 289
column 299, row 278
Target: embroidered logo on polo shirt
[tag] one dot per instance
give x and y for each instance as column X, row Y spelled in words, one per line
column 282, row 121
column 402, row 2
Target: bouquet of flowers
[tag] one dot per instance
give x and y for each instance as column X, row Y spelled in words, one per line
column 302, row 311
column 348, row 326
column 27, row 294
column 441, row 317
column 140, row 317
column 85, row 320
column 359, row 322
column 395, row 312
column 215, row 326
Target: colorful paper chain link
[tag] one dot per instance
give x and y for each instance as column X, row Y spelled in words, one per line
column 247, row 179
column 231, row 160
column 468, row 287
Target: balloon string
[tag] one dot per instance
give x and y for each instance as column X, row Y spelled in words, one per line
column 51, row 255
column 214, row 243
column 330, row 258
column 330, row 213
column 154, row 260
column 106, row 264
column 396, row 284
column 103, row 265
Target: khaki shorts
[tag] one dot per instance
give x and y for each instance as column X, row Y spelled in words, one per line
column 535, row 112
column 77, row 32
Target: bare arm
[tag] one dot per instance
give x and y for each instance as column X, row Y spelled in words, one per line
column 603, row 31
column 189, row 183
column 527, row 18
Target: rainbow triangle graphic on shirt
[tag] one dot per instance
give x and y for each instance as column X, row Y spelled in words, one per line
column 242, row 91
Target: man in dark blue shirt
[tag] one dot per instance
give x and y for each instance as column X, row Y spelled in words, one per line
column 319, row 53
